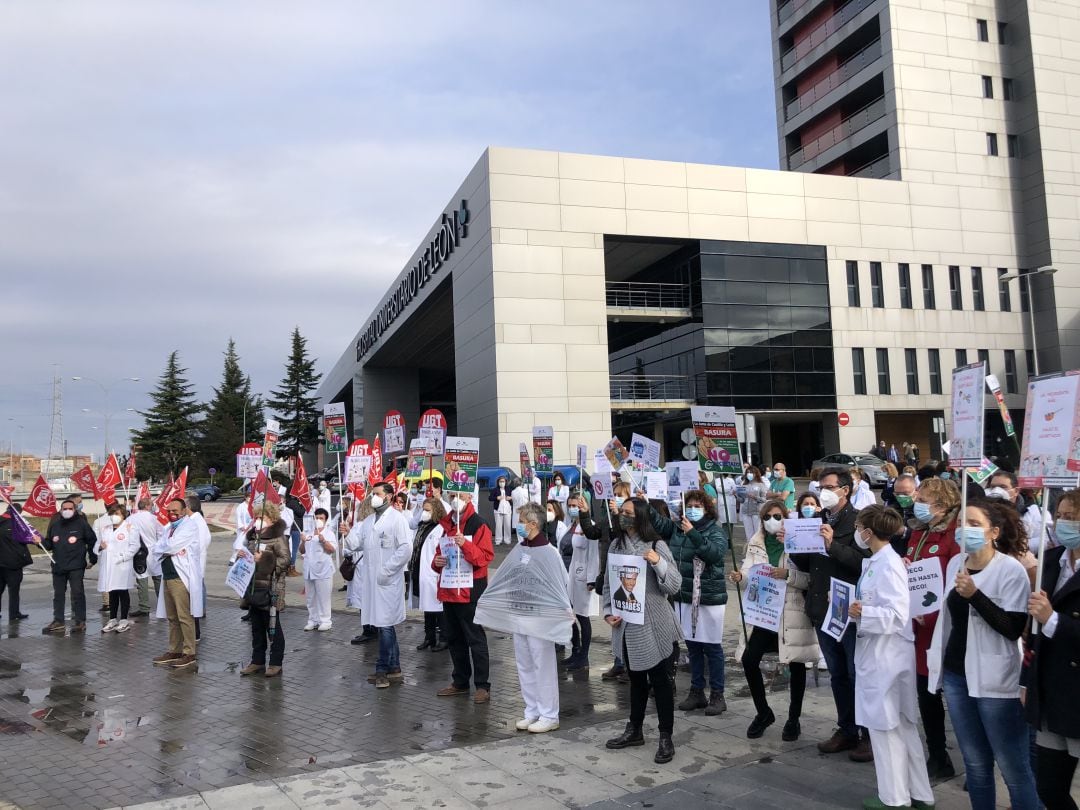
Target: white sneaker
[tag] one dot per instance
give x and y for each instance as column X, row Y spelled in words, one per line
column 123, row 626
column 110, row 626
column 309, row 626
column 523, row 725
column 322, row 628
column 542, row 726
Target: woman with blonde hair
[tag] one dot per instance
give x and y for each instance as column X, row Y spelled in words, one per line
column 267, row 546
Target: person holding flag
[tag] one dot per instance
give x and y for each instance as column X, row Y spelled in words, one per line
column 71, row 542
column 14, row 557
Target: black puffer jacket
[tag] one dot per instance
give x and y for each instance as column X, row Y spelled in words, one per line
column 708, row 541
column 12, row 554
column 71, row 543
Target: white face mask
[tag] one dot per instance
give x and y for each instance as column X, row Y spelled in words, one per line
column 458, row 504
column 67, row 514
column 425, row 516
column 829, row 499
column 860, row 542
column 322, row 487
column 772, row 525
column 259, row 523
column 550, row 516
column 377, row 502
column 117, row 520
column 998, row 492
column 319, row 523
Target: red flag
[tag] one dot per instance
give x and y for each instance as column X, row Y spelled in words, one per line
column 172, row 490
column 42, row 502
column 129, row 470
column 375, row 471
column 358, row 491
column 300, row 486
column 265, row 487
column 84, row 480
column 108, row 479
column 144, row 492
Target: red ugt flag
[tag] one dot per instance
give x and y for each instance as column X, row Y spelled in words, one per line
column 129, row 470
column 300, row 486
column 84, row 480
column 265, row 487
column 108, row 479
column 42, row 502
column 144, row 492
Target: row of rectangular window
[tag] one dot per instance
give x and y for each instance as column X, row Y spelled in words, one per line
column 911, row 369
column 1008, row 89
column 1012, row 143
column 956, row 292
column 982, row 30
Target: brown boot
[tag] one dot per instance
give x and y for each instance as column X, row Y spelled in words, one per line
column 183, row 662
column 252, row 669
column 292, row 572
column 838, row 742
column 273, row 672
column 863, row 752
column 452, row 690
column 165, row 659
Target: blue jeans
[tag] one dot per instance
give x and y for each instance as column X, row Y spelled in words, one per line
column 840, row 659
column 294, row 539
column 991, row 730
column 698, row 652
column 388, row 660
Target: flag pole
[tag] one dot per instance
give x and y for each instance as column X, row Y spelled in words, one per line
column 731, row 546
column 1042, row 547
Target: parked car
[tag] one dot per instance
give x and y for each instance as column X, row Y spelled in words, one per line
column 873, row 468
column 207, row 492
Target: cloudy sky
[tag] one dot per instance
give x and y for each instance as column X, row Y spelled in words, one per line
column 176, row 173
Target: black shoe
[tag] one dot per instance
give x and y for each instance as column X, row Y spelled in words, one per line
column 246, row 617
column 442, row 645
column 695, row 700
column 104, row 609
column 578, row 664
column 759, row 724
column 665, row 751
column 613, row 673
column 939, row 766
column 363, row 639
column 138, row 614
column 631, row 736
column 717, row 704
column 425, row 645
column 570, row 658
column 20, row 616
column 792, row 730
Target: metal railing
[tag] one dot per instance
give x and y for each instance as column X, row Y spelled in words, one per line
column 856, row 122
column 652, row 387
column 784, row 12
column 880, row 169
column 640, row 295
column 848, row 68
column 842, row 17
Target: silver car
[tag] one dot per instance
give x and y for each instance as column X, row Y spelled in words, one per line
column 872, row 467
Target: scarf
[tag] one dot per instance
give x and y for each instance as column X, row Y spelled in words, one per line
column 774, row 549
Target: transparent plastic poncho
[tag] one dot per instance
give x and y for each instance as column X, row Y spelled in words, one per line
column 528, row 595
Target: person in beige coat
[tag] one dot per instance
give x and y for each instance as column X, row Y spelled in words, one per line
column 796, row 643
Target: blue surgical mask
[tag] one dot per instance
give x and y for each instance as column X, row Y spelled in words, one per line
column 695, row 513
column 574, row 512
column 619, row 501
column 972, row 538
column 922, row 511
column 1067, row 533
column 808, row 511
column 175, row 523
column 521, row 530
column 945, row 476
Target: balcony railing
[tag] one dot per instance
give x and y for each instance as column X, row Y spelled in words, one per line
column 856, row 122
column 784, row 12
column 638, row 295
column 842, row 17
column 652, row 388
column 879, row 169
column 845, row 71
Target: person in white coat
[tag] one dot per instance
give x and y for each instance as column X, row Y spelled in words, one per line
column 584, row 538
column 386, row 543
column 319, row 550
column 101, row 523
column 861, row 496
column 194, row 506
column 423, row 579
column 180, row 600
column 148, row 528
column 885, row 699
column 116, row 546
column 558, row 491
column 501, row 499
column 322, row 497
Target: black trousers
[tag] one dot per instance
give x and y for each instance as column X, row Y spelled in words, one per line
column 660, row 678
column 61, row 583
column 932, row 711
column 1054, row 773
column 11, row 580
column 762, row 642
column 468, row 645
column 119, row 602
column 261, row 638
column 434, row 626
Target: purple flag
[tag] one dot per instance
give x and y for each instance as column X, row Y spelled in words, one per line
column 21, row 531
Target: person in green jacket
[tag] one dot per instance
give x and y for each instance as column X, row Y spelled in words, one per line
column 698, row 543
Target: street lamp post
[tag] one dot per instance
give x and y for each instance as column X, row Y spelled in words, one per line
column 108, row 395
column 1026, row 279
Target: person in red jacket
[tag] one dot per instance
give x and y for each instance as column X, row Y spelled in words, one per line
column 467, row 640
column 933, row 535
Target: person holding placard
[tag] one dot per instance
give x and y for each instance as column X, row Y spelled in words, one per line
column 423, row 580
column 936, row 507
column 976, row 656
column 645, row 647
column 583, row 537
column 885, row 662
column 318, row 550
column 621, row 490
column 698, row 543
column 795, row 643
column 266, row 545
column 1053, row 679
column 783, row 486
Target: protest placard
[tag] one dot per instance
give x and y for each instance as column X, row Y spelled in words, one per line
column 462, row 457
column 841, row 595
column 968, row 415
column 240, row 573
column 627, row 575
column 763, row 605
column 983, row 473
column 433, row 428
column 414, row 465
column 602, row 487
column 682, row 476
column 524, row 463
column 601, row 463
column 717, row 439
column 655, row 485
column 543, row 439
column 270, row 440
column 248, row 460
column 335, row 430
column 458, row 572
column 803, row 536
column 616, row 453
column 925, row 586
column 645, row 451
column 1050, row 452
column 393, row 432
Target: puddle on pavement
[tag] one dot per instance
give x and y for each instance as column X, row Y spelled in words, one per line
column 231, row 667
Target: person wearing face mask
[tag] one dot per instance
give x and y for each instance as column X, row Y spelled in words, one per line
column 502, row 505
column 100, row 524
column 323, row 497
column 932, row 535
column 423, row 581
column 467, row 639
column 646, row 648
column 901, row 497
column 555, row 527
column 885, row 663
column 180, row 600
column 756, row 493
column 976, row 657
column 318, row 550
column 861, row 497
column 1053, row 680
column 808, row 506
column 843, row 560
column 14, row 557
column 558, row 491
column 267, row 545
column 783, row 486
column 891, row 474
column 1003, row 485
column 385, row 542
column 71, row 541
column 146, row 525
column 583, row 565
column 610, row 530
column 116, row 547
column 795, row 643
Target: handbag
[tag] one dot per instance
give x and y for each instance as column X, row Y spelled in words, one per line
column 347, row 569
column 138, row 562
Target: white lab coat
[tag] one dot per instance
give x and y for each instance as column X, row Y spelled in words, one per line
column 428, row 597
column 534, row 490
column 518, row 498
column 317, row 563
column 204, row 541
column 560, row 494
column 148, row 527
column 115, row 571
column 354, row 548
column 884, row 645
column 322, row 499
column 863, row 497
column 183, row 544
column 726, row 492
column 414, row 517
column 584, row 567
column 387, row 547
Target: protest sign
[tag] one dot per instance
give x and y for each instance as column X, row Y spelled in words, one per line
column 841, row 595
column 528, row 595
column 627, row 576
column 270, row 440
column 803, row 536
column 655, row 485
column 763, row 605
column 335, row 431
column 717, row 439
column 358, row 462
column 462, row 456
column 601, row 463
column 582, row 456
column 925, row 586
column 968, row 415
column 248, row 460
column 682, row 476
column 433, row 428
column 458, row 572
column 983, row 473
column 393, row 432
column 602, row 487
column 645, row 451
column 543, row 439
column 616, row 453
column 414, row 466
column 240, row 573
column 524, row 463
column 1050, row 452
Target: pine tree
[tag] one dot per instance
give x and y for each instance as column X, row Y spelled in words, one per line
column 167, row 442
column 295, row 402
column 234, row 416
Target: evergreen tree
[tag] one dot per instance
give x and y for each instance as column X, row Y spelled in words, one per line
column 168, row 439
column 295, row 402
column 233, row 417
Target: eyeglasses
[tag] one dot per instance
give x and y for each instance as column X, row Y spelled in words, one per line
column 831, row 487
